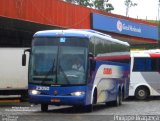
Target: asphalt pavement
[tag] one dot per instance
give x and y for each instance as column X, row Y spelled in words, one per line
column 130, row 110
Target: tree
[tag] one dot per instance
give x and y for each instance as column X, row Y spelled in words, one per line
column 103, row 5
column 86, row 3
column 129, row 4
column 97, row 4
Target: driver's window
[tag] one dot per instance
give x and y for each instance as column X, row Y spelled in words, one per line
column 78, row 63
column 65, row 62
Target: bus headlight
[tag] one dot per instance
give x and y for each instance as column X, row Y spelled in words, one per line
column 78, row 93
column 34, row 92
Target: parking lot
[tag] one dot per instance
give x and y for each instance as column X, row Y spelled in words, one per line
column 130, row 110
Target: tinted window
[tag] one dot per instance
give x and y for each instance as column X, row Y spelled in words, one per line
column 146, row 64
column 100, row 46
column 57, row 41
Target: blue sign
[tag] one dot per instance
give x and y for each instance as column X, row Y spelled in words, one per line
column 62, row 39
column 121, row 26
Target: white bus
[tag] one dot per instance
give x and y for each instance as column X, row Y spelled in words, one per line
column 13, row 76
column 14, row 39
column 144, row 71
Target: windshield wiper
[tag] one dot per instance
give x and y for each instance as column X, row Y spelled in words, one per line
column 52, row 69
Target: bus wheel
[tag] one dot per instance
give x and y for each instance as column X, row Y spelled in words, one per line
column 118, row 100
column 141, row 93
column 120, row 97
column 89, row 108
column 44, row 107
column 94, row 97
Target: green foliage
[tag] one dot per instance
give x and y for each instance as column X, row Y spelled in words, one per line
column 96, row 4
column 109, row 7
column 103, row 5
column 84, row 3
column 99, row 4
column 153, row 21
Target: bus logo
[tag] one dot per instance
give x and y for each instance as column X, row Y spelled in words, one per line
column 107, row 71
column 55, row 93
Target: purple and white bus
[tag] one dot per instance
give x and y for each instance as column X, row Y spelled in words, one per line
column 54, row 81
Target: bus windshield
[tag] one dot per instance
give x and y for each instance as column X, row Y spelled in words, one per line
column 58, row 61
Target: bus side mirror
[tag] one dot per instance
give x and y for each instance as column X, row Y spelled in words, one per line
column 92, row 64
column 24, row 57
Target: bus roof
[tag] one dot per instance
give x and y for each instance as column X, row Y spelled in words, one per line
column 146, row 53
column 78, row 33
column 113, row 56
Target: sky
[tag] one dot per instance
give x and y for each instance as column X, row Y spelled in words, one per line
column 146, row 9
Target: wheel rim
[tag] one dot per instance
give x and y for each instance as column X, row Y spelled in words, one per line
column 141, row 93
column 118, row 99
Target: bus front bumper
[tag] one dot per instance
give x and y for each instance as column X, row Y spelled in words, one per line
column 57, row 100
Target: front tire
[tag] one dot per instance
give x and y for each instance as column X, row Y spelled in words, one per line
column 89, row 108
column 44, row 107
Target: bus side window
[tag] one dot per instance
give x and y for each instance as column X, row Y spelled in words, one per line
column 151, row 64
column 148, row 64
column 145, row 64
column 139, row 64
column 154, row 64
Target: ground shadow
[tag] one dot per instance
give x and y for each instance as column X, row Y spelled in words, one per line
column 151, row 98
column 77, row 110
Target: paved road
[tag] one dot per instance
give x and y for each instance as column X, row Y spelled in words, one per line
column 130, row 109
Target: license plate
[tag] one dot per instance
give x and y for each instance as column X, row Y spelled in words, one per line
column 55, row 100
